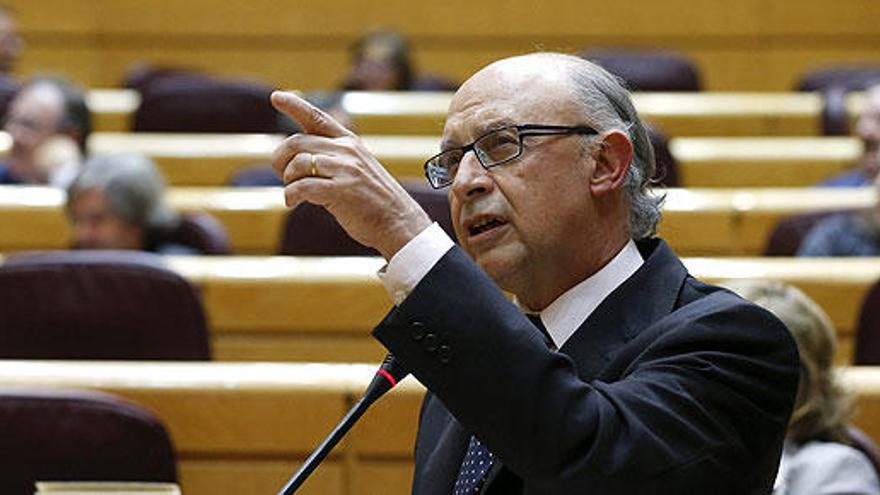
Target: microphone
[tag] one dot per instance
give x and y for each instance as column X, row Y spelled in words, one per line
column 387, row 376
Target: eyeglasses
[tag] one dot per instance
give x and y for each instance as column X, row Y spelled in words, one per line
column 492, row 149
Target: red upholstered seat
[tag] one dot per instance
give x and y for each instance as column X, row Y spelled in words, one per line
column 789, row 232
column 202, row 232
column 647, row 70
column 98, row 305
column 667, row 166
column 188, row 103
column 79, row 436
column 867, row 350
column 311, row 230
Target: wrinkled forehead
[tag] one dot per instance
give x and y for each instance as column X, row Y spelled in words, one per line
column 513, row 91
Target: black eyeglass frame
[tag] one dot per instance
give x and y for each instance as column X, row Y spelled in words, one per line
column 523, row 130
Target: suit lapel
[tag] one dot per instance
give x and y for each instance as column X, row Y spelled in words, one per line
column 648, row 295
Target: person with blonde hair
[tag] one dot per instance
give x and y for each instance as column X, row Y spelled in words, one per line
column 818, row 457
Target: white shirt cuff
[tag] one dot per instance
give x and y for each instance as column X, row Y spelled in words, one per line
column 413, row 261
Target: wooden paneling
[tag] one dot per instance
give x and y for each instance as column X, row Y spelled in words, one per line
column 696, row 222
column 747, row 45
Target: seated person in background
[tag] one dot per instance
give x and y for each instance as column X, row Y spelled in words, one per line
column 11, row 44
column 118, row 202
column 380, row 61
column 846, row 234
column 817, row 458
column 49, row 123
column 868, row 130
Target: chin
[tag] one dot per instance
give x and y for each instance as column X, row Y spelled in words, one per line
column 501, row 264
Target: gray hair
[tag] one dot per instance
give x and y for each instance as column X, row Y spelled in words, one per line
column 132, row 186
column 608, row 106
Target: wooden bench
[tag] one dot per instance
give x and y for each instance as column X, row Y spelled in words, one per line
column 212, row 159
column 322, row 309
column 677, row 114
column 245, row 428
column 696, row 222
column 762, row 162
column 286, row 308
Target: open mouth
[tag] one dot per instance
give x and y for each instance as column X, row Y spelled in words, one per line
column 485, row 225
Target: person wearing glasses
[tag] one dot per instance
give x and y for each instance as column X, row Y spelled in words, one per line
column 613, row 371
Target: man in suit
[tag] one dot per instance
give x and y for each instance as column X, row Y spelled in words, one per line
column 661, row 384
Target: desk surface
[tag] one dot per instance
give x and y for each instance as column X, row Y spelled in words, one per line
column 248, row 425
column 322, row 308
column 696, row 222
column 677, row 114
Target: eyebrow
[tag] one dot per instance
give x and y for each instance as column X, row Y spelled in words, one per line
column 482, row 129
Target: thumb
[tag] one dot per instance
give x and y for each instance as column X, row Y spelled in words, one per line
column 313, row 120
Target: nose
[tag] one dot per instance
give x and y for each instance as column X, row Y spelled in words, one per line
column 471, row 179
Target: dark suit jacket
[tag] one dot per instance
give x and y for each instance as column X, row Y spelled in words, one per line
column 670, row 386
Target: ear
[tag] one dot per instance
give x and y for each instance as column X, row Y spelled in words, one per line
column 612, row 162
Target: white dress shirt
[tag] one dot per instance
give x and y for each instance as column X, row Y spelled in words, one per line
column 561, row 318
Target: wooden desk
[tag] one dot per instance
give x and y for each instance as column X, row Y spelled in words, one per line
column 696, row 222
column 212, row 159
column 322, row 309
column 762, row 162
column 423, row 113
column 245, row 428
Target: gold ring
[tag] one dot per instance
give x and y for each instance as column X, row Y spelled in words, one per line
column 314, row 170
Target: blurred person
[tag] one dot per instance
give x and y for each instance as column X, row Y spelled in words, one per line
column 118, row 202
column 818, row 457
column 380, row 61
column 853, row 233
column 11, row 44
column 47, row 112
column 868, row 131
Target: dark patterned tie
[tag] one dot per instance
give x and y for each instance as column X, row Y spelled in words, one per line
column 478, row 460
column 472, row 474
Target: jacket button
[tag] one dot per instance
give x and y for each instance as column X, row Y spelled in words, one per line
column 417, row 330
column 431, row 342
column 445, row 353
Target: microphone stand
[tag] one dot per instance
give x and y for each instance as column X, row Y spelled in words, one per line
column 387, row 376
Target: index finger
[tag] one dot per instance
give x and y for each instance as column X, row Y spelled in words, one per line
column 312, row 119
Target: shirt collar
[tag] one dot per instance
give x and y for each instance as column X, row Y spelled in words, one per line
column 569, row 311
